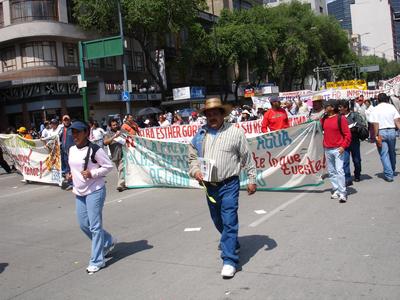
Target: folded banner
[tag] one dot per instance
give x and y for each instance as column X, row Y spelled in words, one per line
column 184, row 133
column 285, row 159
column 37, row 160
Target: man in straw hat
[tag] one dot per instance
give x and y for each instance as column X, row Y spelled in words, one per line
column 317, row 111
column 226, row 149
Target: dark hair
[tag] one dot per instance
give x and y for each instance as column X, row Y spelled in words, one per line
column 344, row 103
column 112, row 120
column 382, row 97
column 95, row 124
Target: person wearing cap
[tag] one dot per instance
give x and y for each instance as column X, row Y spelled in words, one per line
column 66, row 141
column 226, row 145
column 385, row 119
column 89, row 188
column 275, row 118
column 245, row 116
column 115, row 142
column 317, row 111
column 23, row 132
column 337, row 138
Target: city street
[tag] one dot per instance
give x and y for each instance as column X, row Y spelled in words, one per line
column 294, row 245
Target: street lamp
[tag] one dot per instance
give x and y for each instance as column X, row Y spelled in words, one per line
column 384, row 43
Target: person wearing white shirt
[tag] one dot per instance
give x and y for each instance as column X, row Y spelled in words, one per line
column 162, row 120
column 385, row 119
column 97, row 134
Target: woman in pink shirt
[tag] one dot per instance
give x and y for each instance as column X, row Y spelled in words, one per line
column 89, row 164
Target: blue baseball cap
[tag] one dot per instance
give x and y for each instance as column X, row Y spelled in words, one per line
column 79, row 125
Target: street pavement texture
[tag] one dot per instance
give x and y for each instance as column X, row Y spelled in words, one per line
column 303, row 246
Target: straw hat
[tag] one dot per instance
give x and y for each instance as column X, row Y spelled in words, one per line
column 317, row 98
column 216, row 103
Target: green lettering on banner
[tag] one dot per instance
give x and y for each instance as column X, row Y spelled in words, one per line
column 274, row 139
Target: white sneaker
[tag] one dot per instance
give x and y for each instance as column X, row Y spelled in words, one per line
column 335, row 195
column 228, row 271
column 342, row 199
column 111, row 248
column 93, row 269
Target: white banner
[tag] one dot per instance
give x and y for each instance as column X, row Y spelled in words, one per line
column 184, row 133
column 37, row 160
column 285, row 159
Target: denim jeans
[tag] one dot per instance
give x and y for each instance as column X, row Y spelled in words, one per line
column 335, row 169
column 89, row 210
column 354, row 151
column 388, row 152
column 64, row 162
column 224, row 214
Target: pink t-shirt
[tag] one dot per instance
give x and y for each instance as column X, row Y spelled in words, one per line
column 76, row 160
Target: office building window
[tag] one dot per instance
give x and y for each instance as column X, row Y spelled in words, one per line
column 30, row 10
column 71, row 58
column 70, row 12
column 8, row 59
column 108, row 63
column 36, row 54
column 139, row 61
column 1, row 15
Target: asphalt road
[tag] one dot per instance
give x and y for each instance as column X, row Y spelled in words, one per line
column 305, row 245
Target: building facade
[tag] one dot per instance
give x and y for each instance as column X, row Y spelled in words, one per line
column 372, row 21
column 340, row 10
column 318, row 6
column 39, row 63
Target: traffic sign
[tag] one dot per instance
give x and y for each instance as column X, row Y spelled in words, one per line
column 367, row 69
column 125, row 96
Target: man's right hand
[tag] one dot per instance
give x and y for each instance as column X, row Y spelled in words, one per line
column 198, row 176
column 68, row 176
column 378, row 141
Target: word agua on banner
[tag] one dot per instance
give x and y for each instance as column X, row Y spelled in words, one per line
column 38, row 161
column 184, row 133
column 285, row 159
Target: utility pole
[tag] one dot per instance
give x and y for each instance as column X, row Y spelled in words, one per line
column 121, row 31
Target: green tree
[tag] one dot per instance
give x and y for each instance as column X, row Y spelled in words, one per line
column 147, row 21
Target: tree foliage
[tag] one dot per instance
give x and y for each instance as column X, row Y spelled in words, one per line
column 387, row 69
column 147, row 21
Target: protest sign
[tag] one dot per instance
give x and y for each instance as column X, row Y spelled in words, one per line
column 285, row 159
column 37, row 160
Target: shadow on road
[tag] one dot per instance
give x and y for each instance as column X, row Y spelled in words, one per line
column 297, row 191
column 365, row 177
column 251, row 244
column 3, row 266
column 123, row 250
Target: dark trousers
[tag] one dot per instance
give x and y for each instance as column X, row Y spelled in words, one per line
column 224, row 214
column 354, row 151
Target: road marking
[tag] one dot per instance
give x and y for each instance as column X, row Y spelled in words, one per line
column 370, row 151
column 276, row 210
column 260, row 212
column 128, row 196
column 25, row 191
column 192, row 229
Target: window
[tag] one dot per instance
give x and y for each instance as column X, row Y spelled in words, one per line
column 70, row 55
column 30, row 10
column 139, row 61
column 108, row 63
column 37, row 54
column 321, row 10
column 70, row 12
column 1, row 15
column 129, row 60
column 8, row 59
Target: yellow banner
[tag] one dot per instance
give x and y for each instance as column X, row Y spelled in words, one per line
column 347, row 84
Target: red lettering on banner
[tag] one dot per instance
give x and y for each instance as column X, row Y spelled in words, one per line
column 290, row 165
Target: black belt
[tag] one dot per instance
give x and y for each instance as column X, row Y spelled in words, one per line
column 221, row 182
column 388, row 128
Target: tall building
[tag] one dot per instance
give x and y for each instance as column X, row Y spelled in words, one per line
column 372, row 21
column 318, row 6
column 395, row 4
column 216, row 6
column 340, row 9
column 39, row 64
